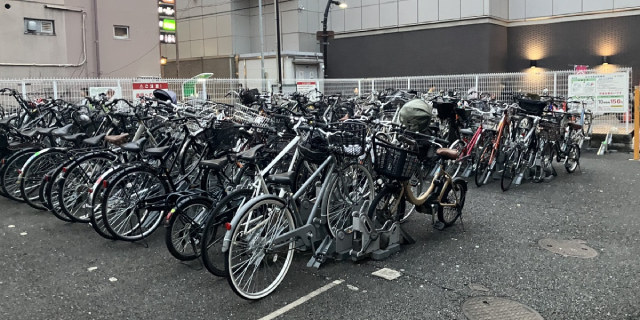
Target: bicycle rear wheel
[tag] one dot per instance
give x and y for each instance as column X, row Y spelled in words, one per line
column 184, row 232
column 255, row 266
column 121, row 216
column 450, row 208
column 214, row 230
column 511, row 167
column 11, row 171
column 34, row 171
column 73, row 187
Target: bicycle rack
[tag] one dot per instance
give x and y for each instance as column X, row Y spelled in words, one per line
column 361, row 241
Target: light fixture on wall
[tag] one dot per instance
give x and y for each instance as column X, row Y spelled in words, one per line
column 163, row 60
column 605, row 60
column 533, row 64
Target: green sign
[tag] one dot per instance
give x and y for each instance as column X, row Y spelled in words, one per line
column 169, row 24
column 189, row 86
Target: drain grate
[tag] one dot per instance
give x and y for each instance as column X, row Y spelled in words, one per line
column 569, row 248
column 492, row 308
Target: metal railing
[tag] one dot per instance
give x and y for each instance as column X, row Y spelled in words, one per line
column 500, row 85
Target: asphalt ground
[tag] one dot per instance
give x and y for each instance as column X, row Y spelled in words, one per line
column 44, row 263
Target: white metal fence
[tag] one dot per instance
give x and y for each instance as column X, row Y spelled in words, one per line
column 498, row 84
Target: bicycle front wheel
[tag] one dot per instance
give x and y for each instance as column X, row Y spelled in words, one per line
column 510, row 169
column 256, row 267
column 347, row 192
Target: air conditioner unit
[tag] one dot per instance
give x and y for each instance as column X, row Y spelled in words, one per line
column 32, row 26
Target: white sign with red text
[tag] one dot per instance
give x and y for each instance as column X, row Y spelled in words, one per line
column 145, row 89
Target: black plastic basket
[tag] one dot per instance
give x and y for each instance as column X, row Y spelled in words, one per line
column 220, row 135
column 446, row 109
column 314, row 148
column 394, row 162
column 349, row 138
column 532, row 107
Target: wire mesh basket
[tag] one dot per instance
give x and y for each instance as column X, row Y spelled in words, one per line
column 551, row 128
column 394, row 162
column 349, row 138
column 244, row 115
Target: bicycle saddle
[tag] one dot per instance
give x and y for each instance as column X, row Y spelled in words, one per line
column 250, row 155
column 466, row 132
column 5, row 121
column 447, row 153
column 285, row 178
column 74, row 137
column 158, row 152
column 46, row 131
column 574, row 126
column 135, row 146
column 94, row 141
column 63, row 131
column 117, row 140
column 29, row 133
column 214, row 164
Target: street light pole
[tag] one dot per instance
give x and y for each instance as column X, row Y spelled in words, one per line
column 325, row 37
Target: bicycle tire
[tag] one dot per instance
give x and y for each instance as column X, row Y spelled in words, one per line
column 449, row 219
column 50, row 194
column 182, row 214
column 571, row 168
column 510, row 171
column 75, row 183
column 381, row 208
column 10, row 173
column 347, row 191
column 237, row 228
column 151, row 219
column 34, row 170
column 482, row 169
column 97, row 222
column 214, row 230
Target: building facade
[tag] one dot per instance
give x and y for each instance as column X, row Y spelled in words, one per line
column 381, row 38
column 79, row 38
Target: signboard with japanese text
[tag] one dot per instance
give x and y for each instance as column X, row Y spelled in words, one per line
column 145, row 89
column 307, row 86
column 609, row 91
column 111, row 92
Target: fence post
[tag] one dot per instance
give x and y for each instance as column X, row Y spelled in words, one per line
column 204, row 89
column 408, row 83
column 555, row 84
column 55, row 89
column 477, row 84
column 120, row 88
column 373, row 87
column 24, row 89
column 636, row 122
column 360, row 87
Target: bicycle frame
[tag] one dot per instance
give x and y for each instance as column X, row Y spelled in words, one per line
column 504, row 122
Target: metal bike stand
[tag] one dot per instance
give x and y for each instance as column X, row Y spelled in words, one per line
column 380, row 243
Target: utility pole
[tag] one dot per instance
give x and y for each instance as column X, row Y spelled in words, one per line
column 261, row 44
column 278, row 53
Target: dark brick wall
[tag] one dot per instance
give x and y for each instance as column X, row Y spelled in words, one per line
column 462, row 49
column 485, row 48
column 558, row 45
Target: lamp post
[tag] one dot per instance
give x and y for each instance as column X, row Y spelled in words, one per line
column 325, row 37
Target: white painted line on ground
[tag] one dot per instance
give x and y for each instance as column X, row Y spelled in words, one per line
column 300, row 301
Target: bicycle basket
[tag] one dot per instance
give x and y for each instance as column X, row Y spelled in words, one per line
column 249, row 96
column 446, row 109
column 394, row 162
column 221, row 135
column 532, row 107
column 349, row 138
column 551, row 129
column 314, row 148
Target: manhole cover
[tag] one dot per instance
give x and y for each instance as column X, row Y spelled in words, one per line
column 492, row 308
column 569, row 248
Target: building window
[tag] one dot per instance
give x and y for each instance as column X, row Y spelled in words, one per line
column 40, row 27
column 120, row 32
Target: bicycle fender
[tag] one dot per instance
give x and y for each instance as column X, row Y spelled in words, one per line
column 463, row 182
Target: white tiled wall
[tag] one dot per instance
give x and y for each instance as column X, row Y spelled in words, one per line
column 224, row 27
